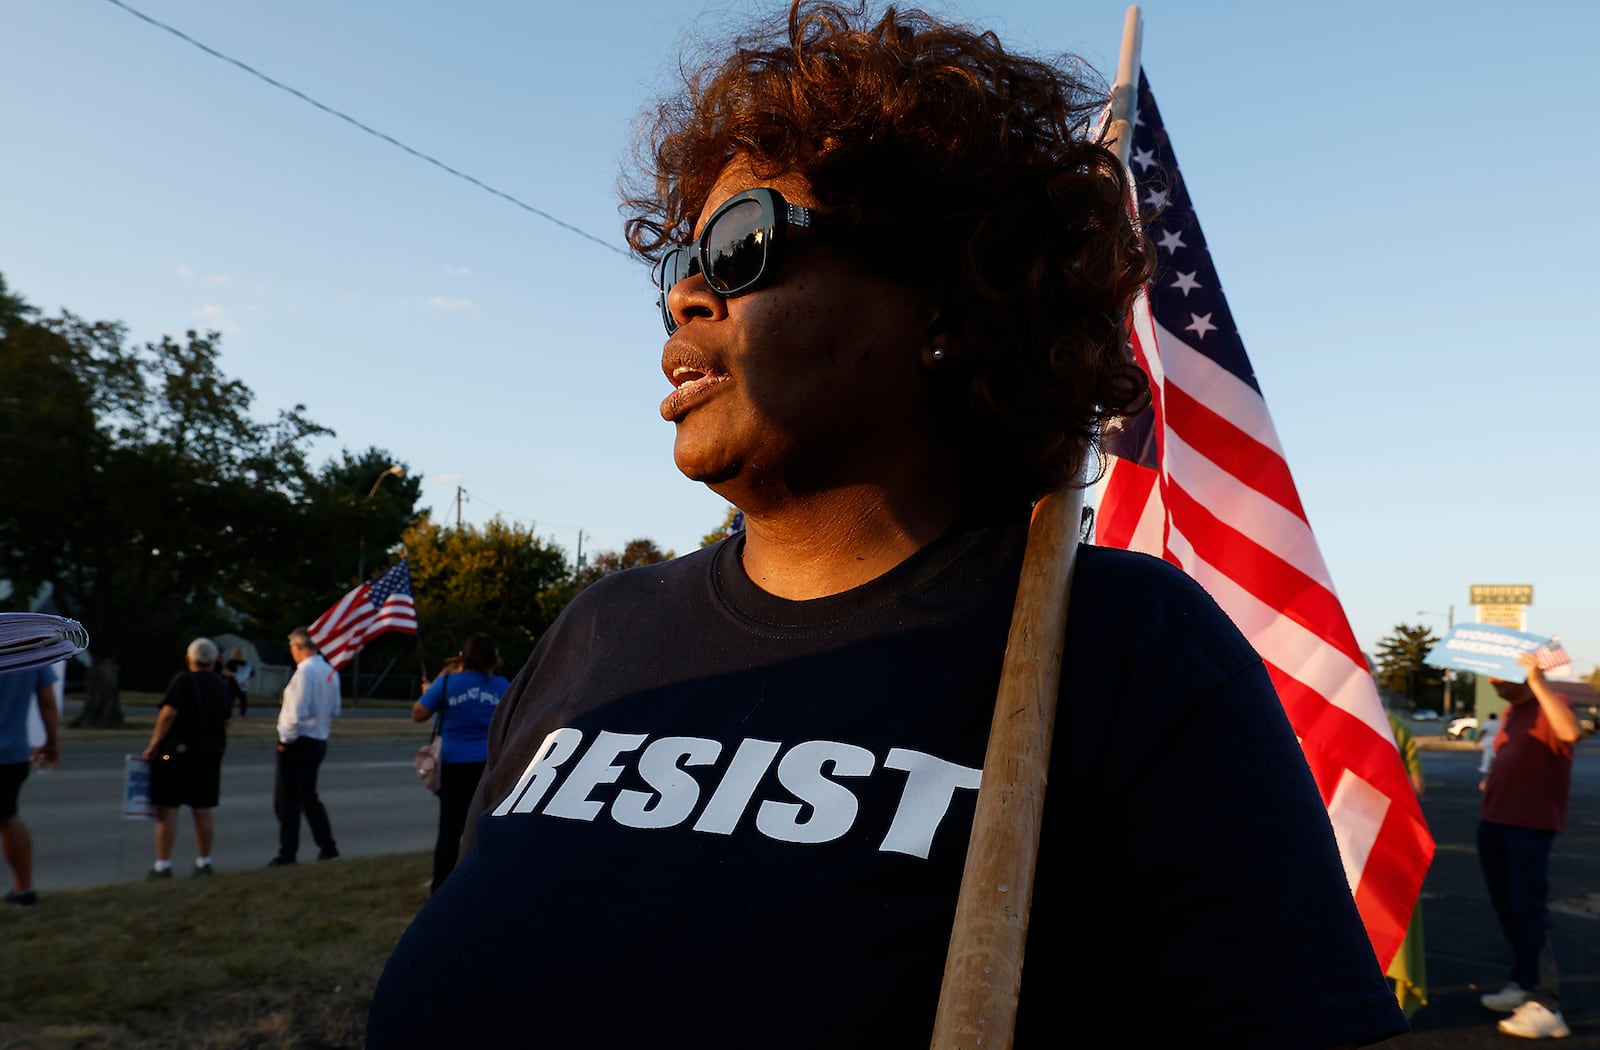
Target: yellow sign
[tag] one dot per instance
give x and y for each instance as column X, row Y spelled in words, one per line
column 1512, row 616
column 1502, row 594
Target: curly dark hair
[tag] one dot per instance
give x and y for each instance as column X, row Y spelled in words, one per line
column 955, row 167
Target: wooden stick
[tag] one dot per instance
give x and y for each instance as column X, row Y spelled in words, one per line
column 983, row 967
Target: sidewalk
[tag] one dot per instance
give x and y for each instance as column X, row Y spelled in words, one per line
column 1466, row 953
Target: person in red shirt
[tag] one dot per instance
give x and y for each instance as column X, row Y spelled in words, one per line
column 1524, row 808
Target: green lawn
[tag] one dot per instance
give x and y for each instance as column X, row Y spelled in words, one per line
column 279, row 958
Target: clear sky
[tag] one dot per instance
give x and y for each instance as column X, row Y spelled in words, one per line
column 1396, row 195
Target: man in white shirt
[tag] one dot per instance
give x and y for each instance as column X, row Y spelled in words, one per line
column 310, row 704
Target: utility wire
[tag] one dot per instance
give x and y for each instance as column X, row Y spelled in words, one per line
column 302, row 96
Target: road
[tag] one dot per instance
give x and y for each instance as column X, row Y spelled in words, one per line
column 81, row 839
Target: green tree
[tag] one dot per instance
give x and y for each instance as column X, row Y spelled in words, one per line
column 721, row 532
column 1401, row 669
column 137, row 486
column 332, row 530
column 636, row 553
column 500, row 579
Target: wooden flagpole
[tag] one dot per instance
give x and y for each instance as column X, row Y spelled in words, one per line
column 983, row 967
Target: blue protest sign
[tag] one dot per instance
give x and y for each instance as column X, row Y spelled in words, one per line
column 1485, row 649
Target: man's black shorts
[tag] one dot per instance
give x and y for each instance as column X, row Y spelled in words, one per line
column 185, row 780
column 12, row 774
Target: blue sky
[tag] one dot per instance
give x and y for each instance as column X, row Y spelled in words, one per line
column 1395, row 195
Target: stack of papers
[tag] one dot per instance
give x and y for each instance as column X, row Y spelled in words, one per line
column 29, row 640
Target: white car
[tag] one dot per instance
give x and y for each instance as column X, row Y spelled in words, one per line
column 1459, row 726
column 1424, row 715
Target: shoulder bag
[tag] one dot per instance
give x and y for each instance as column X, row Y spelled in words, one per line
column 426, row 761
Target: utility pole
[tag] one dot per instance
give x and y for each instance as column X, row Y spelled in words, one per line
column 458, row 508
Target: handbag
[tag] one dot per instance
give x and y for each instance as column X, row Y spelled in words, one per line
column 426, row 761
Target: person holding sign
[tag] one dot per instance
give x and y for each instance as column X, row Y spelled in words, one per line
column 185, row 756
column 1524, row 808
column 727, row 801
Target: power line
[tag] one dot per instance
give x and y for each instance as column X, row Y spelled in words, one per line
column 302, row 96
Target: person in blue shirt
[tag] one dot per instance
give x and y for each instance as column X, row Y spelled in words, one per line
column 19, row 691
column 463, row 700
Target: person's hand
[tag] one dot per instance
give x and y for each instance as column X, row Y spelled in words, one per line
column 46, row 755
column 1484, row 783
column 1530, row 663
column 149, row 752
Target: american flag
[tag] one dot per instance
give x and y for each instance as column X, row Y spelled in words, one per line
column 1552, row 655
column 1201, row 481
column 381, row 604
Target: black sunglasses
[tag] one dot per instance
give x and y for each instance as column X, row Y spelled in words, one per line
column 738, row 248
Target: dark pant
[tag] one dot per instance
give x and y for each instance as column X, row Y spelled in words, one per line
column 294, row 791
column 1516, row 866
column 458, row 782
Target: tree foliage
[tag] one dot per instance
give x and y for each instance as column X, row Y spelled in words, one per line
column 119, row 465
column 1401, row 669
column 638, row 552
column 500, row 579
column 142, row 493
column 732, row 522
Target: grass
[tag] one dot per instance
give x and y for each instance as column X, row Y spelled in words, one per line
column 277, row 959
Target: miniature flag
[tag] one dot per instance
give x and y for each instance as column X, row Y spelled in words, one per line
column 1201, row 481
column 379, row 605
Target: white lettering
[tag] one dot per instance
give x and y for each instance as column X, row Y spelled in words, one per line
column 930, row 785
column 540, row 774
column 834, row 806
column 728, row 802
column 596, row 767
column 676, row 791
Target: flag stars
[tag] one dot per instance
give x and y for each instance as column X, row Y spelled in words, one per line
column 1171, row 241
column 1200, row 324
column 1186, row 283
column 1157, row 198
column 1145, row 158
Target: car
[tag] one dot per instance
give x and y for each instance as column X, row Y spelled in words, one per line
column 1459, row 728
column 1423, row 714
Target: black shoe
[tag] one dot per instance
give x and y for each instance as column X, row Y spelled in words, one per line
column 328, row 854
column 280, row 862
column 200, row 870
column 22, row 898
column 155, row 876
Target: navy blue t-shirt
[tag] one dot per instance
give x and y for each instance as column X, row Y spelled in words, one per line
column 714, row 817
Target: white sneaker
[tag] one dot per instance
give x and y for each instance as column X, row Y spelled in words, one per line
column 1506, row 999
column 1536, row 1021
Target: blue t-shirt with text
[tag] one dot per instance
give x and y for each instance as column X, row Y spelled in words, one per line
column 473, row 696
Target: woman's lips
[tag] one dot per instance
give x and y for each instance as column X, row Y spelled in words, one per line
column 690, row 385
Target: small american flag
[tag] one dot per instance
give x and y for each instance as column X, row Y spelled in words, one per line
column 1201, row 481
column 381, row 604
column 1552, row 655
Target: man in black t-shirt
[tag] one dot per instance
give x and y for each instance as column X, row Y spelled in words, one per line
column 185, row 756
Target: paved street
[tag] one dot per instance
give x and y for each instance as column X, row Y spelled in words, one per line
column 1466, row 953
column 81, row 839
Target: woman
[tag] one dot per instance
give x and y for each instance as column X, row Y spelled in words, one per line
column 728, row 798
column 463, row 699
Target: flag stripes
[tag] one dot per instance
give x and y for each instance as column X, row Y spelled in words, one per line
column 1202, row 481
column 381, row 604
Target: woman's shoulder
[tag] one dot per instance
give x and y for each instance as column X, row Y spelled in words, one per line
column 1124, row 598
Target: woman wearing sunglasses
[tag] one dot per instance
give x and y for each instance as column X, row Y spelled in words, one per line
column 727, row 800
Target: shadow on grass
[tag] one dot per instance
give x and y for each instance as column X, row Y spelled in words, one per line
column 281, row 958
